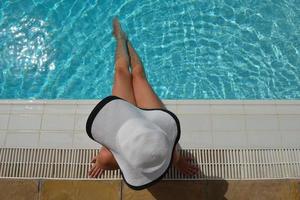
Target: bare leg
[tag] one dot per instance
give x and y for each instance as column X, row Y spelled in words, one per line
column 146, row 98
column 122, row 79
column 122, row 88
column 144, row 94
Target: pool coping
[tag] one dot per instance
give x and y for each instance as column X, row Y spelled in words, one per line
column 204, row 123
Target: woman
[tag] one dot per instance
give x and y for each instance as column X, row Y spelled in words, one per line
column 132, row 86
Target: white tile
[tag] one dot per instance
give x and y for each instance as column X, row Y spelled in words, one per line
column 5, row 101
column 80, row 122
column 29, row 108
column 229, row 140
column 83, row 141
column 56, row 132
column 169, row 102
column 192, row 109
column 60, row 109
column 25, row 102
column 192, row 102
column 259, row 102
column 264, row 139
column 195, row 122
column 227, row 109
column 289, row 122
column 262, row 122
column 58, row 122
column 2, row 138
column 87, row 102
column 4, row 108
column 288, row 109
column 287, row 102
column 85, row 109
column 196, row 140
column 290, row 139
column 228, row 122
column 24, row 121
column 80, row 132
column 60, row 102
column 22, row 140
column 260, row 109
column 172, row 108
column 226, row 102
column 56, row 140
column 4, row 121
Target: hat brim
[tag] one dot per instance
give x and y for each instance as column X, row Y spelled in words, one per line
column 130, row 174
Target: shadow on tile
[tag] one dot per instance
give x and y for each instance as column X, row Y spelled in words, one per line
column 180, row 189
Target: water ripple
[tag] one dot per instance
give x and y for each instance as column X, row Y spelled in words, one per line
column 191, row 49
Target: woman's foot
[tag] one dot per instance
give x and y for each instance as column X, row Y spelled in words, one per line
column 117, row 30
column 185, row 166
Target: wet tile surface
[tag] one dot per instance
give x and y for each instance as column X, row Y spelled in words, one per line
column 78, row 190
column 11, row 189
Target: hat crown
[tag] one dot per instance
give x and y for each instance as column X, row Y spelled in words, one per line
column 143, row 144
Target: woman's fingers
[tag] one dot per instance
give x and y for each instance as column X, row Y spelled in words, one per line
column 94, row 159
column 97, row 173
column 189, row 169
column 189, row 158
column 193, row 170
column 187, row 172
column 94, row 172
column 101, row 172
column 91, row 170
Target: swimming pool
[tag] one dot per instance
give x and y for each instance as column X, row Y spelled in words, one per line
column 190, row 49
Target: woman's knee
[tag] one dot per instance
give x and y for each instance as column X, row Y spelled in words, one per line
column 138, row 73
column 121, row 72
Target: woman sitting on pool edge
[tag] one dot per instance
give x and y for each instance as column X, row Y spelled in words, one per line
column 138, row 134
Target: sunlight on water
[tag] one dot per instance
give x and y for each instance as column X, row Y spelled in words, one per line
column 190, row 49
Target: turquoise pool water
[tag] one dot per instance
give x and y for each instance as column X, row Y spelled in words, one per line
column 213, row 49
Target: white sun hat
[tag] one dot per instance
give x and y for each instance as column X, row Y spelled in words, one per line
column 141, row 140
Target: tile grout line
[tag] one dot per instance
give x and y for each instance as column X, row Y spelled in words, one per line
column 40, row 182
column 245, row 125
column 121, row 190
column 75, row 115
column 211, row 126
column 7, row 125
column 42, row 118
column 278, row 125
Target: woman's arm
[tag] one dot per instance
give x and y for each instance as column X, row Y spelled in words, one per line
column 107, row 160
column 176, row 155
column 101, row 162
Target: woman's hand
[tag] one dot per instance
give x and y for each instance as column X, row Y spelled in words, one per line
column 184, row 165
column 103, row 161
column 96, row 169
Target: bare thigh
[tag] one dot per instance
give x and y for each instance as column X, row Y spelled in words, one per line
column 144, row 94
column 123, row 85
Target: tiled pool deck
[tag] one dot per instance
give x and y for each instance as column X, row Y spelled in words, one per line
column 164, row 190
column 204, row 123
